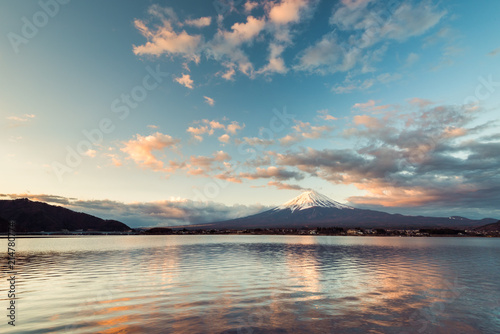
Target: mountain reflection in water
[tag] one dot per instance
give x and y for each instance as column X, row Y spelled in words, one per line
column 257, row 284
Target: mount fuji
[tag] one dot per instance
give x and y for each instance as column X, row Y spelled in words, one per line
column 311, row 209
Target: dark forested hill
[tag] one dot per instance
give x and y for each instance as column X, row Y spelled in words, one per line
column 33, row 216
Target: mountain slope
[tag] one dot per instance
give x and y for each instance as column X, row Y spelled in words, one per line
column 494, row 227
column 4, row 225
column 37, row 216
column 311, row 209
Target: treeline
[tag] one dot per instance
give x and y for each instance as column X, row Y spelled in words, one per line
column 313, row 231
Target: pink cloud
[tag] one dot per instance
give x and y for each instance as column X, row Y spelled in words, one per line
column 368, row 121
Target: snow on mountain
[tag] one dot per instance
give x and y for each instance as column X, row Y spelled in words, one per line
column 310, row 199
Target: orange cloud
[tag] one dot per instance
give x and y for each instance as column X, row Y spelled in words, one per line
column 287, row 11
column 185, row 80
column 140, row 150
column 166, row 40
column 209, row 100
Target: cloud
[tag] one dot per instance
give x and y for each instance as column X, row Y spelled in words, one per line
column 90, row 153
column 16, row 121
column 209, row 101
column 327, row 56
column 210, row 127
column 278, row 173
column 378, row 21
column 250, row 5
column 285, row 186
column 234, row 127
column 349, row 85
column 370, row 106
column 255, row 141
column 203, row 165
column 226, row 45
column 224, row 138
column 323, row 114
column 229, row 74
column 367, row 23
column 422, row 103
column 494, row 52
column 140, row 150
column 164, row 39
column 290, row 139
column 412, row 59
column 185, row 80
column 368, row 121
column 421, row 157
column 304, row 130
column 24, row 118
column 388, row 77
column 52, row 199
column 115, row 160
column 201, row 161
column 276, row 64
column 153, row 126
column 201, row 22
column 196, row 132
column 287, row 11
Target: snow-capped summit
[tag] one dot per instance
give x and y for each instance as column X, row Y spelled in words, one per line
column 310, row 199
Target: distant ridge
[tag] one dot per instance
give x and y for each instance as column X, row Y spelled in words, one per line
column 493, row 227
column 33, row 216
column 311, row 209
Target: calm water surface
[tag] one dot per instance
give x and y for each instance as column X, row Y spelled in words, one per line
column 254, row 284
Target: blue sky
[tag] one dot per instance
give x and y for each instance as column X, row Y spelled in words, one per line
column 391, row 105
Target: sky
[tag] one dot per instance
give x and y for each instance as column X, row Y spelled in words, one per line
column 161, row 113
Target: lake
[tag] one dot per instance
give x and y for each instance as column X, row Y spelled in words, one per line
column 254, row 284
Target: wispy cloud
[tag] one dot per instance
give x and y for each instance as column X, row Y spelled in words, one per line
column 494, row 52
column 278, row 173
column 324, row 115
column 16, row 121
column 200, row 22
column 303, row 131
column 209, row 101
column 285, row 186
